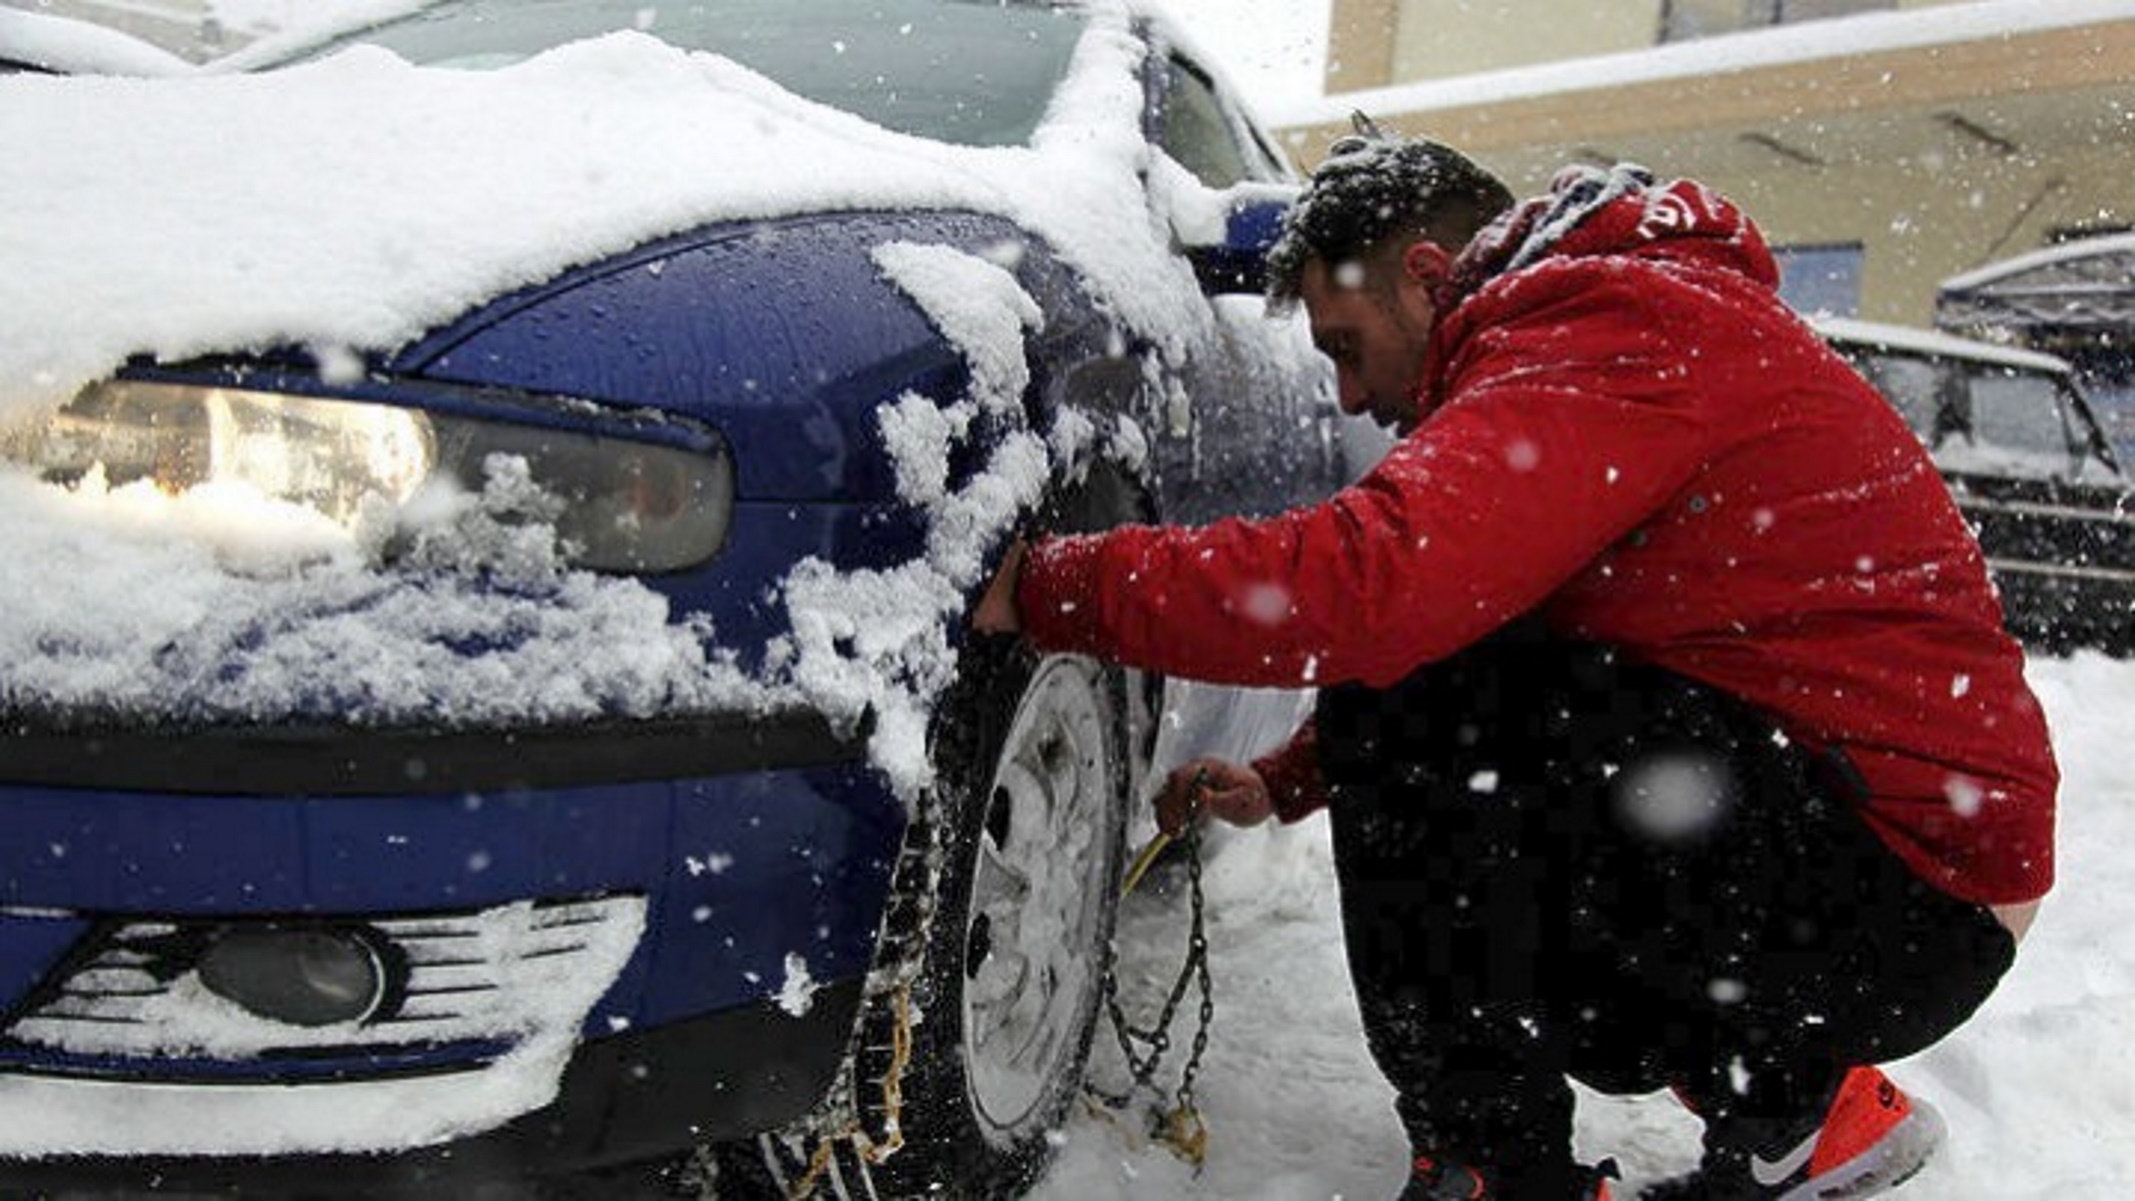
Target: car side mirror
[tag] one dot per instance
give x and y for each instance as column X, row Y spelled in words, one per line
column 1252, row 220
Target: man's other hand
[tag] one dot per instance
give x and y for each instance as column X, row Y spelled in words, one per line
column 1226, row 790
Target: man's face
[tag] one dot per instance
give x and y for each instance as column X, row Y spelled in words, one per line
column 1374, row 319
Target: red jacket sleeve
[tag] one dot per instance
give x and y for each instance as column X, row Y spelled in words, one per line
column 1562, row 431
column 1291, row 773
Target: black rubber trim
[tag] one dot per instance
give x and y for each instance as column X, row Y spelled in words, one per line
column 319, row 760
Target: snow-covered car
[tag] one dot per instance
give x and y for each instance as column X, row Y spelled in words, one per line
column 2030, row 468
column 486, row 682
column 44, row 44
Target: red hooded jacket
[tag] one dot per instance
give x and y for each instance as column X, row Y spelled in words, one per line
column 1629, row 433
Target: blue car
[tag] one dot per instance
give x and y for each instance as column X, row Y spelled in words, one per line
column 365, row 934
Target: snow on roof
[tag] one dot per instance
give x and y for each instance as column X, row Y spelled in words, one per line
column 1808, row 41
column 1921, row 341
column 2066, row 252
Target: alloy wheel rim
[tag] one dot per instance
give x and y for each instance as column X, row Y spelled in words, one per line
column 1030, row 967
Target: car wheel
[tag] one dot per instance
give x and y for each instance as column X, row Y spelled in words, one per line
column 1033, row 766
column 976, row 1063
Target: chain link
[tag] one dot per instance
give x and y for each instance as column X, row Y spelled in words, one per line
column 1181, row 1125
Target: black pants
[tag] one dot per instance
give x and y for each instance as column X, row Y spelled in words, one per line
column 1554, row 863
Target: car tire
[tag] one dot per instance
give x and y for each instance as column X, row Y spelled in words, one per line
column 1033, row 768
column 975, row 1065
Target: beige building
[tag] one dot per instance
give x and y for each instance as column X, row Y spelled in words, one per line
column 1883, row 146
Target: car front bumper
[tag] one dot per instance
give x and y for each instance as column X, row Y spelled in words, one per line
column 624, row 1099
column 737, row 866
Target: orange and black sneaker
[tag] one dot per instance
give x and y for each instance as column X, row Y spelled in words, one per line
column 1432, row 1179
column 1442, row 1180
column 1871, row 1138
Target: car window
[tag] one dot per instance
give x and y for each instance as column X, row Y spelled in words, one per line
column 979, row 74
column 1979, row 417
column 2020, row 412
column 1200, row 135
column 1920, row 391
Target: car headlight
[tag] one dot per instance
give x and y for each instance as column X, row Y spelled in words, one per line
column 627, row 504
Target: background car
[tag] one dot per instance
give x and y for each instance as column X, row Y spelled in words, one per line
column 2030, row 469
column 2075, row 300
column 345, row 937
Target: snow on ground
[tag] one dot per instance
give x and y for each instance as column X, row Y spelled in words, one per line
column 2038, row 1089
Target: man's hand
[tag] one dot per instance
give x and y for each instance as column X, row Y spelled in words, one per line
column 996, row 612
column 1211, row 786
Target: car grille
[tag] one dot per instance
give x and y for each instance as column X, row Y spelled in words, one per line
column 475, row 980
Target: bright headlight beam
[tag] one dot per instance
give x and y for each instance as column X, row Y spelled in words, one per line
column 326, row 454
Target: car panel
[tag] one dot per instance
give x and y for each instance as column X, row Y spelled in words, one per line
column 794, row 371
column 804, row 852
column 32, row 940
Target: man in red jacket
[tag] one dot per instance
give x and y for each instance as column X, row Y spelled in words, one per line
column 1667, row 725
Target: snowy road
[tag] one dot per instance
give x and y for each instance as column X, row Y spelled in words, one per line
column 2039, row 1088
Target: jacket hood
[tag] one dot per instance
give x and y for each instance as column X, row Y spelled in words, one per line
column 1589, row 212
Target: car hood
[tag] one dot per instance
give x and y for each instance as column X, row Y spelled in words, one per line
column 355, row 203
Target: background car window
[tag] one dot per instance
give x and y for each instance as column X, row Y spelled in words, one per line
column 975, row 74
column 2019, row 412
column 1198, row 134
column 1919, row 389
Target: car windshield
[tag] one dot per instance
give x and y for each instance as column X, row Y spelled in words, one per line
column 975, row 72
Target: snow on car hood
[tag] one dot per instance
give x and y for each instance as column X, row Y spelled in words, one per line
column 357, row 201
column 353, row 203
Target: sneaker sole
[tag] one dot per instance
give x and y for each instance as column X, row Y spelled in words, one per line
column 1894, row 1159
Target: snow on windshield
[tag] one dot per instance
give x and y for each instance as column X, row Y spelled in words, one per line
column 351, row 204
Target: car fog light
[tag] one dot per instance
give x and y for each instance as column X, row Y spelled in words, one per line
column 302, row 977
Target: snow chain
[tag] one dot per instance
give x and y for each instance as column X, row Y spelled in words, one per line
column 844, row 1118
column 889, row 1139
column 1179, row 1126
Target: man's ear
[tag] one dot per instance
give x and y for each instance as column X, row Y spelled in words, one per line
column 1427, row 263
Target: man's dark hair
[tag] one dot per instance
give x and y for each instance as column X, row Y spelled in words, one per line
column 1375, row 191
